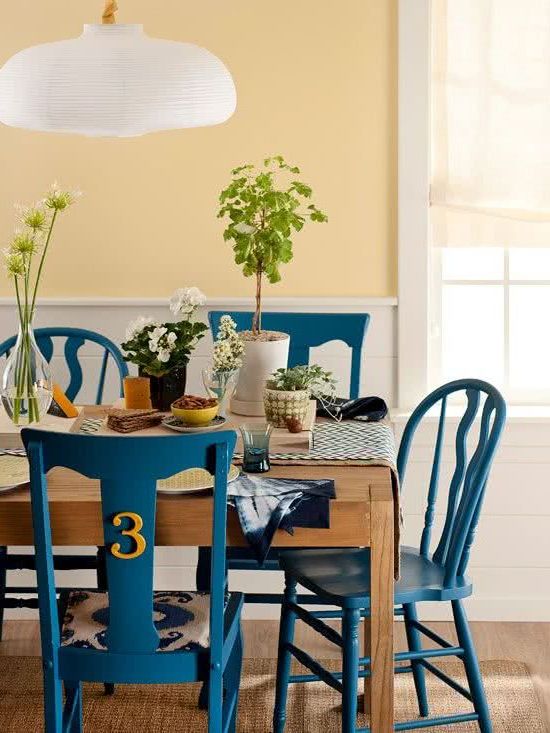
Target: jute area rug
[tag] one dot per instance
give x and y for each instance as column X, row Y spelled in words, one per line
column 313, row 708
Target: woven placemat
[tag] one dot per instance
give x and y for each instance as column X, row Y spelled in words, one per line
column 14, row 471
column 313, row 707
column 192, row 479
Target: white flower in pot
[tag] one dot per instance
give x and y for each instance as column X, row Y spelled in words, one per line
column 288, row 392
column 265, row 207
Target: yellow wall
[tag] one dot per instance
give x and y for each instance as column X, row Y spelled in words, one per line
column 316, row 81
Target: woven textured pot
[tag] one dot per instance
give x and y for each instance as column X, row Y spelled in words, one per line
column 279, row 406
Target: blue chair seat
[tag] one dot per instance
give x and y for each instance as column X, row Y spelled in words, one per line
column 181, row 619
column 344, row 576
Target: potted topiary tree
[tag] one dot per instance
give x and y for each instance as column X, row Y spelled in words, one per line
column 264, row 208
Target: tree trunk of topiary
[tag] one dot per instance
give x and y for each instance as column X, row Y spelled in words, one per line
column 257, row 320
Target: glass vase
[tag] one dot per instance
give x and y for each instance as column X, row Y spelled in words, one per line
column 27, row 380
column 221, row 385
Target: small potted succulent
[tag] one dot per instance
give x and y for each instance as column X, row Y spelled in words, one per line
column 264, row 208
column 161, row 351
column 288, row 391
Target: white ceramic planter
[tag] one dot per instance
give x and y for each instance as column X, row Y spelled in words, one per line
column 281, row 405
column 260, row 360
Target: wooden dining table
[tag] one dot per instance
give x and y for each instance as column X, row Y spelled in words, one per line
column 361, row 515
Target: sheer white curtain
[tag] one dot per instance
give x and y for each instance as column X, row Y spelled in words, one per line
column 491, row 123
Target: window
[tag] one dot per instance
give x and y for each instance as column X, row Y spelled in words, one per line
column 474, row 196
column 488, row 309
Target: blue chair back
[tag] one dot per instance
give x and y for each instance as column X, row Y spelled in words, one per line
column 128, row 469
column 469, row 479
column 307, row 330
column 75, row 339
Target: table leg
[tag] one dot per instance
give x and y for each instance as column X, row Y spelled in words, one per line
column 366, row 651
column 381, row 620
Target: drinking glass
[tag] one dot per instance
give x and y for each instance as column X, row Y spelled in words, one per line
column 256, row 447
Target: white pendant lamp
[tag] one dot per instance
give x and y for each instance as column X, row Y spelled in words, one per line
column 115, row 81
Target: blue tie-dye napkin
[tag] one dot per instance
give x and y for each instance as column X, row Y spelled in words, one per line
column 267, row 504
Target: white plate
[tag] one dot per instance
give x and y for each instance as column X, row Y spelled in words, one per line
column 174, row 423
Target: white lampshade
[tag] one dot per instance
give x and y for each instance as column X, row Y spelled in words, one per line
column 115, row 81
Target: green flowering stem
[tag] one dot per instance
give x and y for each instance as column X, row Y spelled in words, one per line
column 44, row 251
column 19, row 365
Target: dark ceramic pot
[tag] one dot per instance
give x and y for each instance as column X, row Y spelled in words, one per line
column 167, row 389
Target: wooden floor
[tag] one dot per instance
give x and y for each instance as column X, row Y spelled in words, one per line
column 525, row 642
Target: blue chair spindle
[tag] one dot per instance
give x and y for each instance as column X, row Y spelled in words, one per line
column 342, row 577
column 130, row 649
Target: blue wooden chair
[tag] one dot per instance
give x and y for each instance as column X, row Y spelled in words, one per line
column 306, row 330
column 342, row 577
column 94, row 636
column 75, row 338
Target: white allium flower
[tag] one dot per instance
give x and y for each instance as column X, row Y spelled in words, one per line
column 186, row 300
column 138, row 326
column 228, row 348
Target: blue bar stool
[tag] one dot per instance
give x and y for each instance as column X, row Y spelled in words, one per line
column 133, row 634
column 342, row 577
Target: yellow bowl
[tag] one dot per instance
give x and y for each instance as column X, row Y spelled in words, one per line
column 198, row 417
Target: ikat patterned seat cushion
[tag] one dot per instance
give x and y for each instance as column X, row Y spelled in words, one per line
column 181, row 619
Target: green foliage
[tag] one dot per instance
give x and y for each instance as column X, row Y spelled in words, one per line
column 312, row 378
column 264, row 208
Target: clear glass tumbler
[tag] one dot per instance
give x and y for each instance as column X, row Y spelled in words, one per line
column 256, row 447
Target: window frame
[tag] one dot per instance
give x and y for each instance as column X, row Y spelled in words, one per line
column 414, row 93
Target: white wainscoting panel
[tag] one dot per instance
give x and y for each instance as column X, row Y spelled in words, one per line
column 510, row 561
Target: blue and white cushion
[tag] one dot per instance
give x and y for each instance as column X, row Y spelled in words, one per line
column 180, row 617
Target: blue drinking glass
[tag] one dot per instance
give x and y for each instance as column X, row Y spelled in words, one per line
column 256, row 447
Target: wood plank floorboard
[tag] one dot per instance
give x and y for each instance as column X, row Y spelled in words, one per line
column 523, row 642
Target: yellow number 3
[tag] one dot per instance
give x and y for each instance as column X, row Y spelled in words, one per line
column 132, row 532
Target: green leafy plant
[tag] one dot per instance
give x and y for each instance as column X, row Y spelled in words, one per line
column 265, row 207
column 312, row 379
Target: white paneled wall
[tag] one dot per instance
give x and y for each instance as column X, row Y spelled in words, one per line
column 511, row 558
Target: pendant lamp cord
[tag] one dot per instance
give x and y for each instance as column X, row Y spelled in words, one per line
column 109, row 13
